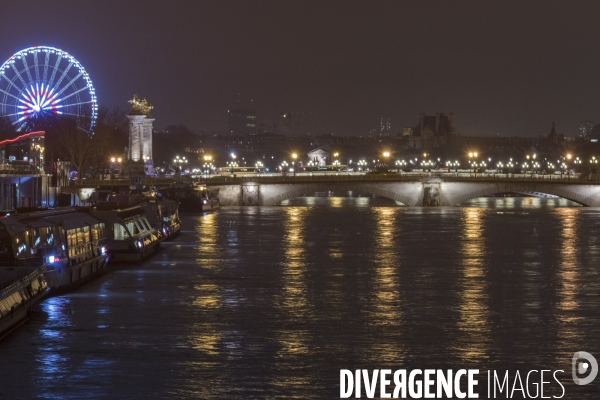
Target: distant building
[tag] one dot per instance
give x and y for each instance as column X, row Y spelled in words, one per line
column 432, row 131
column 319, row 156
column 407, row 131
column 585, row 129
column 385, row 125
column 242, row 121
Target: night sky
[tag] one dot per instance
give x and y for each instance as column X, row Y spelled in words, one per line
column 507, row 68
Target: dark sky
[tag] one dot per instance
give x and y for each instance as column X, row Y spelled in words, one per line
column 508, row 68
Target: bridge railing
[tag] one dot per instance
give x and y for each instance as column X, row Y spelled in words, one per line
column 216, row 180
column 339, row 177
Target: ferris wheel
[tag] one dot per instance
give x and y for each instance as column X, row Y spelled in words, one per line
column 43, row 81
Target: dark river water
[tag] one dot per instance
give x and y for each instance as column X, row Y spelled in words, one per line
column 272, row 302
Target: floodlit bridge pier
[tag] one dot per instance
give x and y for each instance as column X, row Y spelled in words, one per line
column 409, row 190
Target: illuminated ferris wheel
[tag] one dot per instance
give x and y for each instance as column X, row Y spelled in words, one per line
column 44, row 81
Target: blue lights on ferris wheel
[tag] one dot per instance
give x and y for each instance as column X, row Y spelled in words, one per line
column 44, row 80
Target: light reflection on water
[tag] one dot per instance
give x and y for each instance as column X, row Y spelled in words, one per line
column 473, row 324
column 271, row 302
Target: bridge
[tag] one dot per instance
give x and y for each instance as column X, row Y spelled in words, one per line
column 411, row 190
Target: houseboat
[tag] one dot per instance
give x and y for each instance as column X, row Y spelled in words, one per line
column 131, row 236
column 167, row 211
column 45, row 252
column 21, row 288
column 71, row 245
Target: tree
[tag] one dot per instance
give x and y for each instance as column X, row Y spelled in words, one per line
column 110, row 138
column 72, row 144
column 172, row 141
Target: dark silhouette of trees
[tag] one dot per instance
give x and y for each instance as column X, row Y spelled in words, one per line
column 110, row 139
column 171, row 142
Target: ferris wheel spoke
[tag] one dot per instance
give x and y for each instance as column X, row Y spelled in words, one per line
column 28, row 104
column 59, row 58
column 47, row 58
column 65, row 72
column 72, row 94
column 24, row 60
column 9, row 105
column 24, row 117
column 21, row 127
column 18, row 74
column 80, row 103
column 69, row 84
column 13, row 114
column 46, row 102
column 36, row 64
column 10, row 83
column 9, row 94
column 67, row 113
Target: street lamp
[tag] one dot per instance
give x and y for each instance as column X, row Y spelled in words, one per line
column 294, row 156
column 594, row 161
column 456, row 165
column 400, row 164
column 362, row 165
column 178, row 161
column 473, row 155
column 577, row 162
column 114, row 160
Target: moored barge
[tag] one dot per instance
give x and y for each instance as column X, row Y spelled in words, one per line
column 70, row 244
column 22, row 287
column 131, row 236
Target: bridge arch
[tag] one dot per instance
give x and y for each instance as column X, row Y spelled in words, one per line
column 401, row 192
column 456, row 193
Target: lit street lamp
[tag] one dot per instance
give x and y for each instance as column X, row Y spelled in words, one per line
column 362, row 165
column 594, row 161
column 577, row 162
column 385, row 155
column 178, row 161
column 294, row 156
column 113, row 161
column 473, row 163
column 283, row 166
column 400, row 164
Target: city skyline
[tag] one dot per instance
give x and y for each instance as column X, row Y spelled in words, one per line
column 502, row 69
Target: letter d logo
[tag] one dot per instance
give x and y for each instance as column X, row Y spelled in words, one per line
column 581, row 367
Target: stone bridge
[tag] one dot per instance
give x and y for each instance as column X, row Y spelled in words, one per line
column 412, row 191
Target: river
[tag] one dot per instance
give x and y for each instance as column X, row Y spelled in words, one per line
column 271, row 302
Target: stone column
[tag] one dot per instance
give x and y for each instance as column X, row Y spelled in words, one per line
column 140, row 140
column 147, row 139
column 136, row 137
